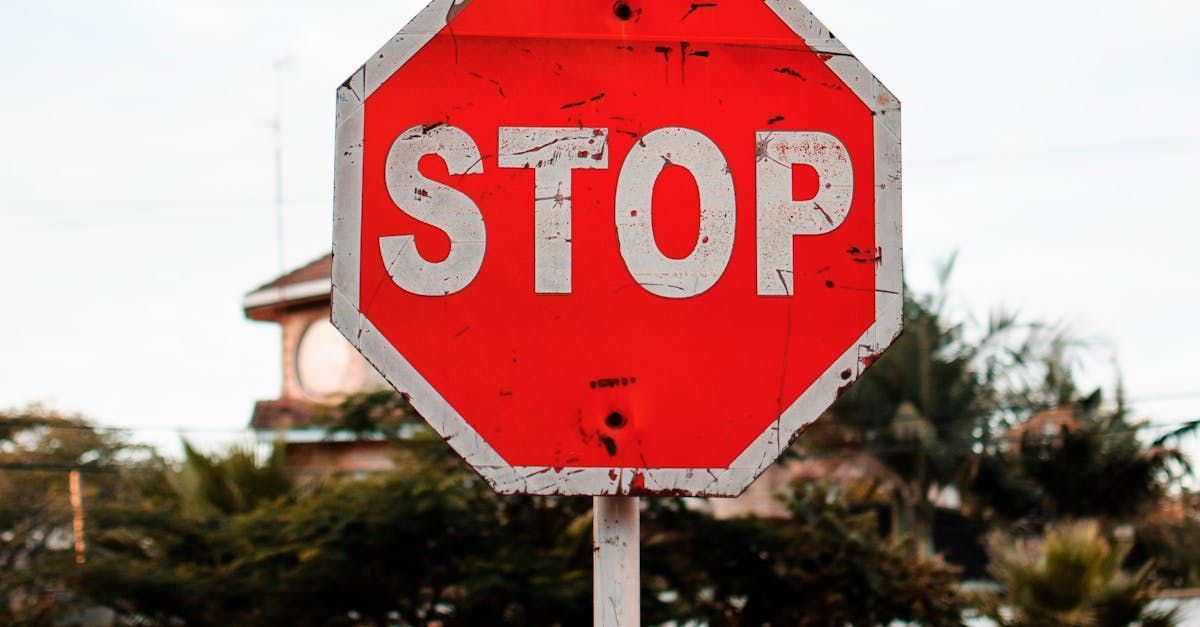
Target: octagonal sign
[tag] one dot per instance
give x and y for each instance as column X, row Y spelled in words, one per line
column 629, row 248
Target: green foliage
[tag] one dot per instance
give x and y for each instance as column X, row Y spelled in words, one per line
column 429, row 544
column 921, row 407
column 370, row 413
column 38, row 447
column 425, row 545
column 236, row 482
column 910, row 408
column 826, row 565
column 1170, row 536
column 941, row 406
column 162, row 554
column 224, row 540
column 1101, row 469
column 1094, row 466
column 1071, row 578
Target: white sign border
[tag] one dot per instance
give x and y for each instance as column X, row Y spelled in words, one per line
column 544, row 480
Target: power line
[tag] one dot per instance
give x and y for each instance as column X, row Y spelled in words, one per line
column 89, row 207
column 222, row 213
column 1186, row 143
column 34, row 467
column 35, row 422
column 132, row 224
column 136, row 209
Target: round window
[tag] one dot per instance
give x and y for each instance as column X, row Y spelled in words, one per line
column 323, row 360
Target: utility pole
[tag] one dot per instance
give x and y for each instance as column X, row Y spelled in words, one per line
column 280, row 67
column 75, row 487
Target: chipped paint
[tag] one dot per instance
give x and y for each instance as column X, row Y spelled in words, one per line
column 616, row 531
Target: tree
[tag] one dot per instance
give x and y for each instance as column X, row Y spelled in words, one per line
column 915, row 414
column 381, row 412
column 238, row 481
column 1087, row 463
column 1168, row 537
column 38, row 448
column 161, row 554
column 1071, row 578
column 431, row 543
column 934, row 410
column 424, row 545
column 826, row 565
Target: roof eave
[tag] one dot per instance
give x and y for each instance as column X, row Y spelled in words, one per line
column 265, row 303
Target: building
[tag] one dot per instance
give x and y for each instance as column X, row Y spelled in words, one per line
column 319, row 368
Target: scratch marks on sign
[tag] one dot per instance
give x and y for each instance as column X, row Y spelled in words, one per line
column 611, row 382
column 824, row 213
column 455, row 9
column 761, row 152
column 685, row 51
column 560, row 199
column 597, row 98
column 867, row 255
column 867, row 354
column 787, row 71
column 696, row 6
column 787, row 347
column 665, row 51
column 548, row 144
column 493, row 81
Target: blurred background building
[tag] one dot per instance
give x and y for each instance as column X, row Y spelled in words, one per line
column 319, row 369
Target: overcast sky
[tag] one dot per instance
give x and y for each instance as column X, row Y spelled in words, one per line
column 1055, row 145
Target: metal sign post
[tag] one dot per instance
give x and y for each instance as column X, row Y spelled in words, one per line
column 616, row 561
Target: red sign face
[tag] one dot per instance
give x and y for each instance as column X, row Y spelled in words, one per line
column 618, row 249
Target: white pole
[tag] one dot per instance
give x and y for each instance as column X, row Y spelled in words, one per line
column 616, row 561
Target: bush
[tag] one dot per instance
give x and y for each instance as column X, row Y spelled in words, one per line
column 1071, row 577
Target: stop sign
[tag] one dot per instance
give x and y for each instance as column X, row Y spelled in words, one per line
column 629, row 248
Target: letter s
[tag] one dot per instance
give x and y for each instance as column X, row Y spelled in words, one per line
column 438, row 205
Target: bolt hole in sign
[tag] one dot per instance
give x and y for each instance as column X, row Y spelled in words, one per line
column 617, row 249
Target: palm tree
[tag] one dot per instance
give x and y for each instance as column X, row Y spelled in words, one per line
column 939, row 395
column 1072, row 577
column 236, row 482
column 1078, row 460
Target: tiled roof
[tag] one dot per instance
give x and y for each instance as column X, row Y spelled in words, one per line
column 321, row 268
column 1046, row 423
column 304, row 286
